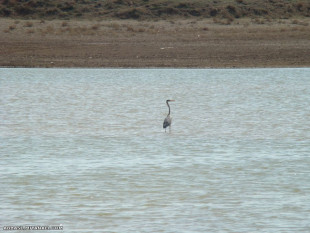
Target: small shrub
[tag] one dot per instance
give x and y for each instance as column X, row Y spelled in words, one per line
column 28, row 24
column 49, row 29
column 64, row 24
column 12, row 27
column 5, row 12
column 229, row 18
column 23, row 10
column 95, row 27
column 258, row 21
column 300, row 6
column 115, row 26
column 141, row 30
column 246, row 24
column 214, row 12
column 30, row 31
column 132, row 13
column 295, row 21
column 225, row 21
column 130, row 29
column 52, row 12
column 231, row 9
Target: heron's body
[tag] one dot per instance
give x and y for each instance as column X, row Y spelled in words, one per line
column 168, row 119
column 167, row 122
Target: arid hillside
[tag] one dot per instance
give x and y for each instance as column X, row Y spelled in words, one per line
column 154, row 9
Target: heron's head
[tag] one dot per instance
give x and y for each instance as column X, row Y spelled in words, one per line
column 169, row 101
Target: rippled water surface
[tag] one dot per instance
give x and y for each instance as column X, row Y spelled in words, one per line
column 85, row 149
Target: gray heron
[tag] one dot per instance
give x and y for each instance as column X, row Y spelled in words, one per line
column 168, row 119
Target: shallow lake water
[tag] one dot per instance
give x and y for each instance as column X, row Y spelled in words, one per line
column 85, row 149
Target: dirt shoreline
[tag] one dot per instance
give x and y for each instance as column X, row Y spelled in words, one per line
column 146, row 44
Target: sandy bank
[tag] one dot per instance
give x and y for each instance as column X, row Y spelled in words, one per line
column 180, row 43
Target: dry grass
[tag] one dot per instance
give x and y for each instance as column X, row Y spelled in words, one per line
column 84, row 27
column 239, row 29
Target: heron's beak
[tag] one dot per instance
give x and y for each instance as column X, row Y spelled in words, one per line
column 172, row 100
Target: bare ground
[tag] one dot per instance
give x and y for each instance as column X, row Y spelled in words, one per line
column 173, row 43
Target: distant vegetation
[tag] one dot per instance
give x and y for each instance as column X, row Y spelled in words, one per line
column 153, row 9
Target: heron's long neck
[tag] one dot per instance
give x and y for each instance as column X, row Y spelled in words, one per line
column 169, row 108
